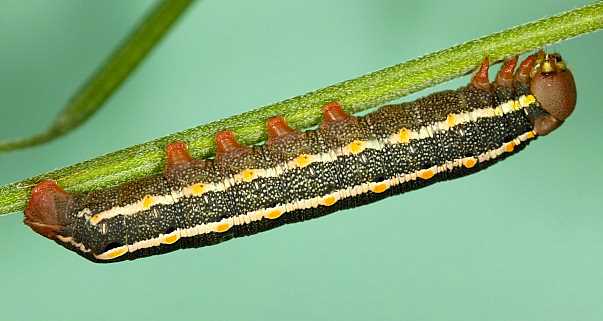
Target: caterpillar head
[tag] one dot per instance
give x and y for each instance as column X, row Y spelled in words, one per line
column 553, row 86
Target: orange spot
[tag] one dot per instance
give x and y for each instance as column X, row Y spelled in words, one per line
column 248, row 175
column 114, row 253
column 197, row 189
column 170, row 239
column 531, row 134
column 469, row 162
column 302, row 160
column 95, row 219
column 147, row 202
column 329, row 200
column 426, row 174
column 509, row 147
column 223, row 227
column 274, row 214
column 451, row 120
column 356, row 146
column 404, row 135
column 528, row 100
column 380, row 187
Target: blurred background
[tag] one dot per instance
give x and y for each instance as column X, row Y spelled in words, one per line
column 522, row 240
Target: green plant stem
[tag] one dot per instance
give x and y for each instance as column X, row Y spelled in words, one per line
column 304, row 111
column 110, row 76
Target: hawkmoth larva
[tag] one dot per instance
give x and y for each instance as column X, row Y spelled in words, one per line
column 348, row 161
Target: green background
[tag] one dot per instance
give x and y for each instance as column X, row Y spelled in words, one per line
column 520, row 241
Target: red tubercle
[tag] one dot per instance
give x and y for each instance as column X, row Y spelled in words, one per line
column 176, row 155
column 178, row 160
column 333, row 112
column 277, row 127
column 504, row 78
column 522, row 74
column 44, row 187
column 480, row 79
column 227, row 143
column 45, row 210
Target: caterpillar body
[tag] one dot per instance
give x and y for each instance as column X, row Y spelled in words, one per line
column 348, row 161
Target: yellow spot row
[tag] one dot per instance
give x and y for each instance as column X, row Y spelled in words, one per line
column 426, row 174
column 113, row 253
column 469, row 162
column 198, row 189
column 404, row 135
column 380, row 187
column 147, row 202
column 356, row 147
column 527, row 100
column 302, row 160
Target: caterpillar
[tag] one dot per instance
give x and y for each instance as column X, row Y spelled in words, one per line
column 299, row 175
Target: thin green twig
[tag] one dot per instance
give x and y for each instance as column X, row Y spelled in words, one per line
column 110, row 76
column 304, row 111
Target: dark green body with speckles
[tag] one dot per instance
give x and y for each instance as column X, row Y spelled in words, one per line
column 469, row 139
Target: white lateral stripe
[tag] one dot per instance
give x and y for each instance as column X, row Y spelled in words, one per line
column 376, row 144
column 314, row 202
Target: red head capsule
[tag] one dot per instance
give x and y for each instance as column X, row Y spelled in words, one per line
column 553, row 86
